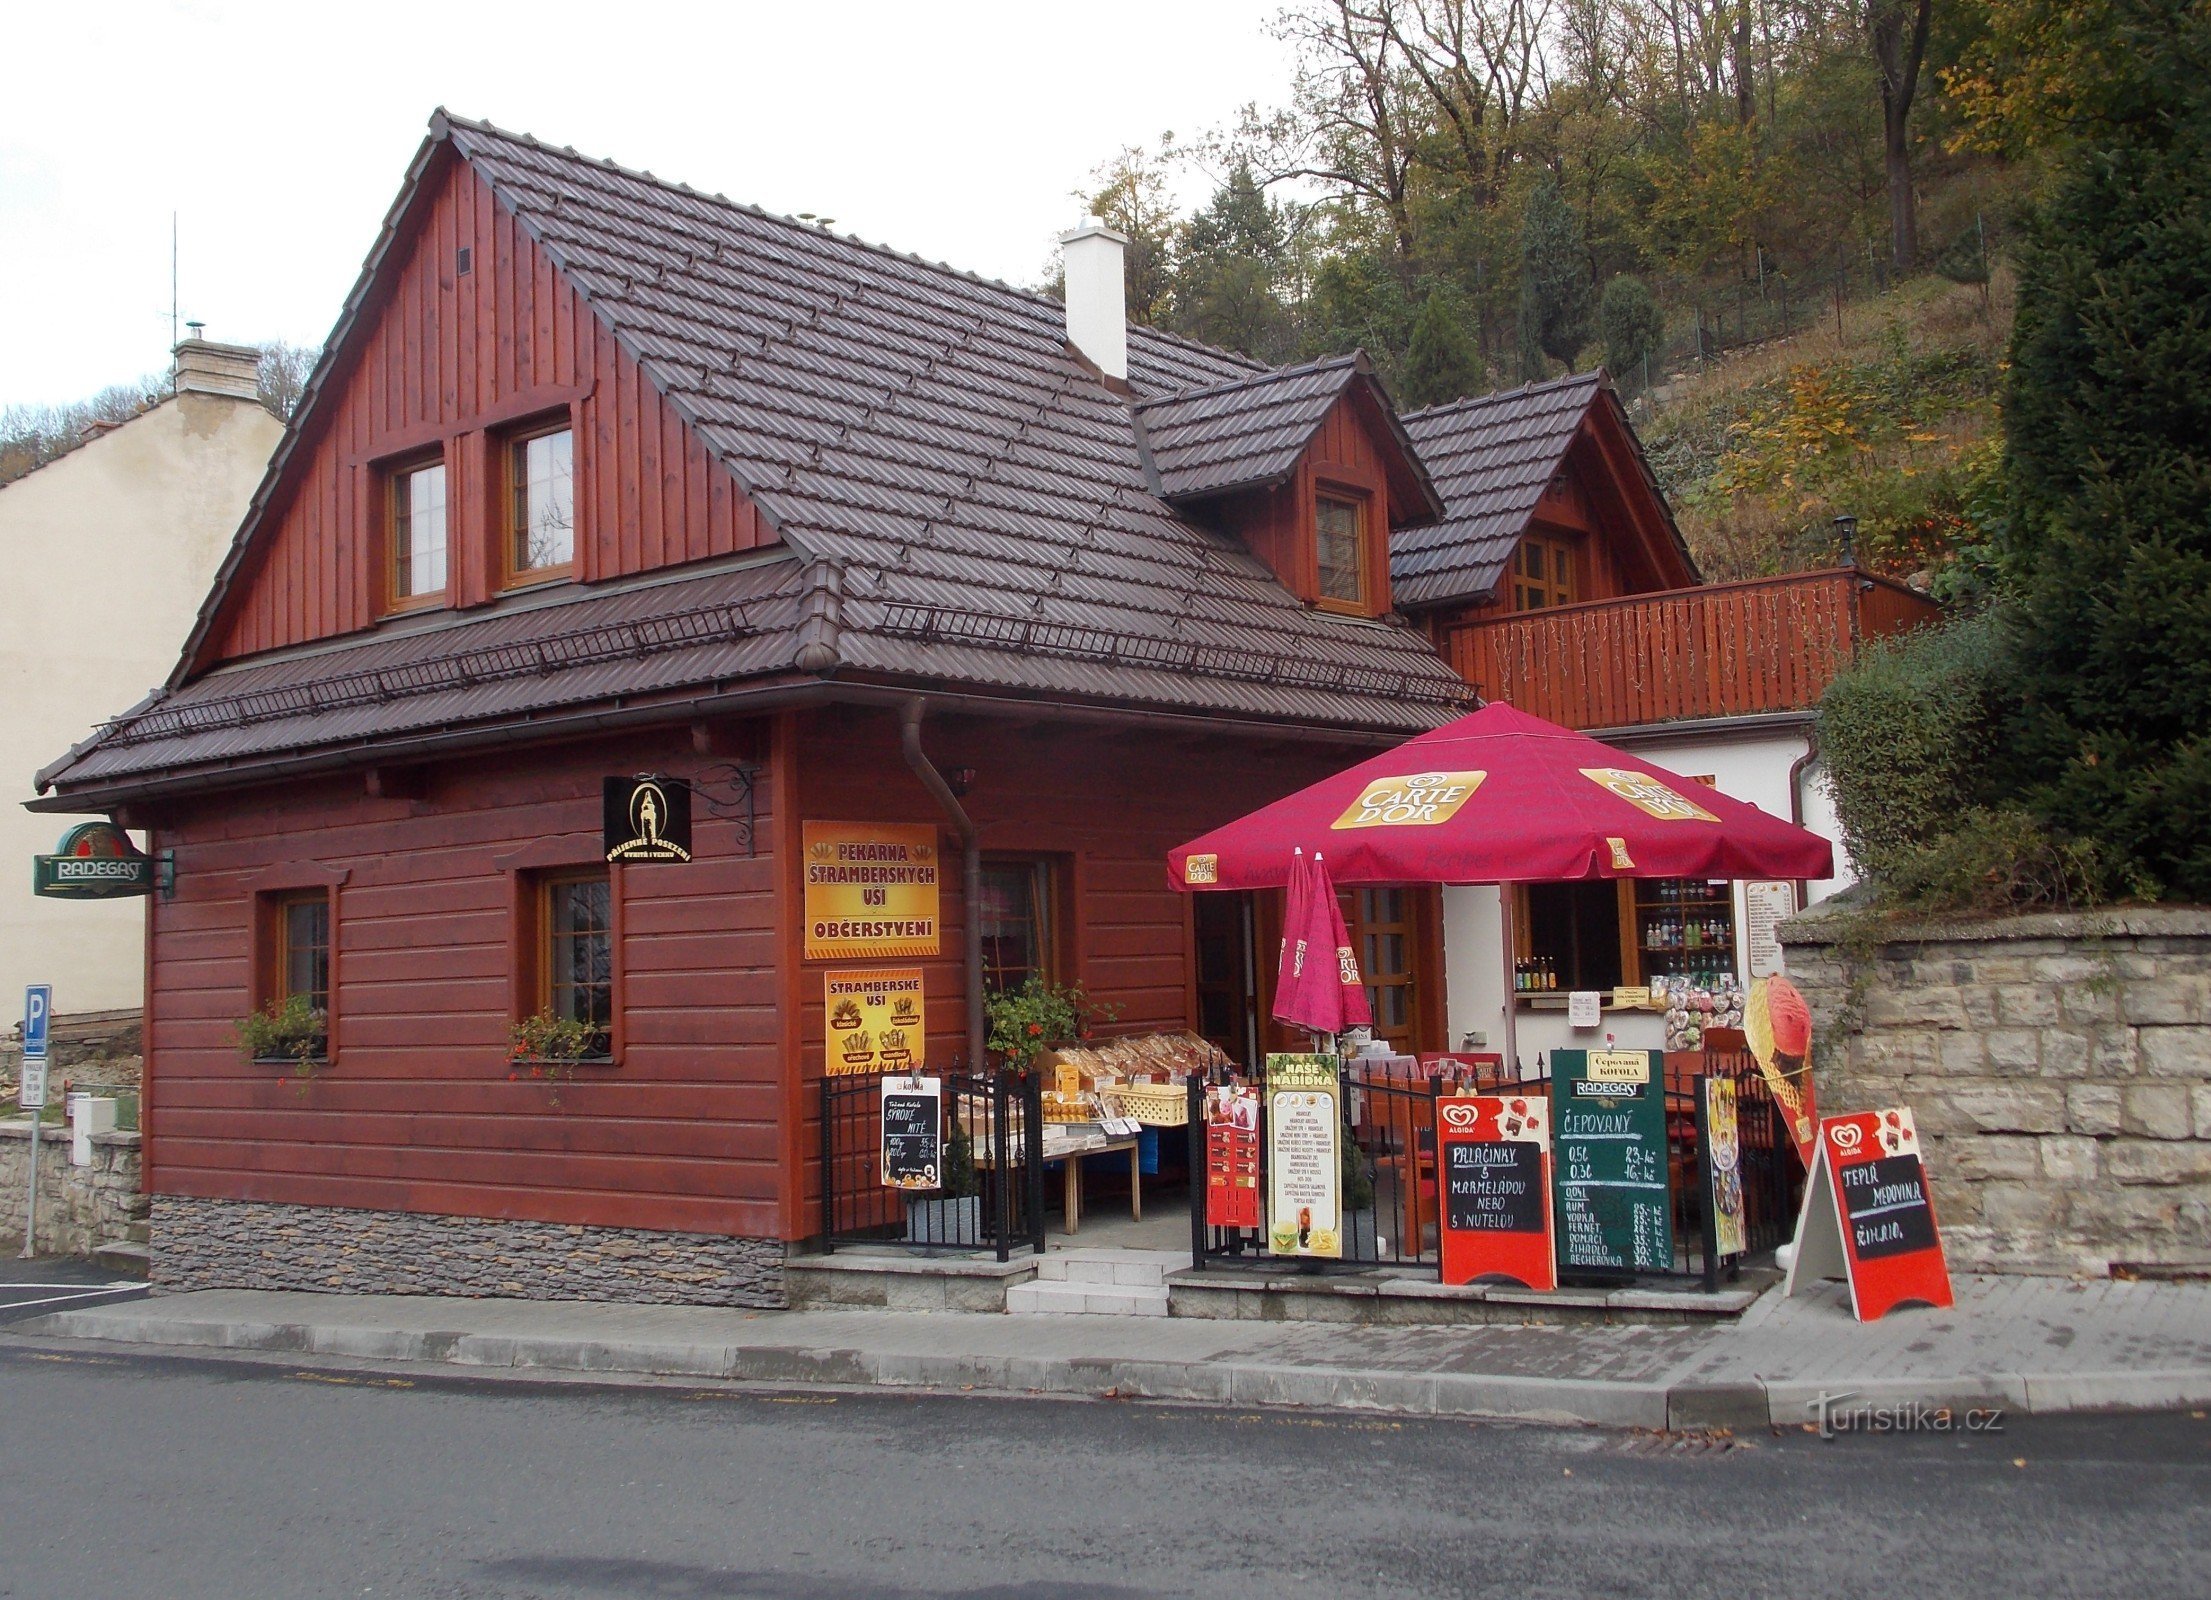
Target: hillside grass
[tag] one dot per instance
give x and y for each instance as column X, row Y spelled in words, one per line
column 1893, row 420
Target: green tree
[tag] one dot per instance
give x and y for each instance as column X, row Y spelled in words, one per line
column 1229, row 262
column 1130, row 195
column 2108, row 462
column 1442, row 361
column 1554, row 281
column 1633, row 326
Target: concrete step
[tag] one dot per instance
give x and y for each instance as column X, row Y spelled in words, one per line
column 1059, row 1298
column 128, row 1257
column 1104, row 1266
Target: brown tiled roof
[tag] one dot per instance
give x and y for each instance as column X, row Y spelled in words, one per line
column 1491, row 459
column 1243, row 434
column 980, row 495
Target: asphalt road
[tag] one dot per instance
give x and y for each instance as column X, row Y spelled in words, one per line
column 182, row 1478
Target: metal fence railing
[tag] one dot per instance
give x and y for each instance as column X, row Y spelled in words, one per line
column 1392, row 1206
column 992, row 1197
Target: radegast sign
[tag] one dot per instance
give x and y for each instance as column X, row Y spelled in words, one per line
column 94, row 861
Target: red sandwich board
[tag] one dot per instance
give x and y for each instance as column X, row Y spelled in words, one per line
column 1493, row 1176
column 1868, row 1218
column 1232, row 1158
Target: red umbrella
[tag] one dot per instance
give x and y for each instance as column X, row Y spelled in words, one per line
column 1318, row 986
column 1503, row 797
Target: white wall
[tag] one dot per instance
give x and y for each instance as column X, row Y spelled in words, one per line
column 1750, row 766
column 108, row 552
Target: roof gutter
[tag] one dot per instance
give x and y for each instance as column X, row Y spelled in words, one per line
column 971, row 869
column 98, row 798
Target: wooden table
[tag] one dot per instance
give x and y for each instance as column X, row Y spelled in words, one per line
column 1070, row 1156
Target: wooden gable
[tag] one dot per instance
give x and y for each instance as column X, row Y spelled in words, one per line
column 1602, row 504
column 1353, row 452
column 462, row 330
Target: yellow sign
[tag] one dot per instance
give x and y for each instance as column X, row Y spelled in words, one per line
column 1619, row 1066
column 871, row 890
column 1415, row 800
column 1201, row 869
column 1647, row 794
column 875, row 1021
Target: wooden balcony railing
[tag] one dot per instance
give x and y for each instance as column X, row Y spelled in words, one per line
column 1723, row 650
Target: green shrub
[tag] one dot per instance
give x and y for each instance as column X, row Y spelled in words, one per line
column 1023, row 1023
column 292, row 1029
column 1994, row 860
column 1905, row 737
column 1631, row 322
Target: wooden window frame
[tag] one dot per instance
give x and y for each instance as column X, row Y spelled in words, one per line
column 1362, row 503
column 1051, row 873
column 506, row 444
column 388, row 475
column 269, row 892
column 531, row 946
column 1558, row 591
column 529, row 870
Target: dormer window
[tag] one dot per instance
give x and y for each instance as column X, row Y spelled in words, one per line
column 415, row 535
column 1542, row 574
column 1339, row 527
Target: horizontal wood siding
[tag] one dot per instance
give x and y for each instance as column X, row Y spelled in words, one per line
column 1107, row 804
column 418, row 1112
column 445, row 360
column 1724, row 650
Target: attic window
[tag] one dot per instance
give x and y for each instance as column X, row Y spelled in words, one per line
column 461, row 261
column 541, row 506
column 1340, row 550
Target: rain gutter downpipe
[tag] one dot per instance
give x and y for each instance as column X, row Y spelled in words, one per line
column 971, row 849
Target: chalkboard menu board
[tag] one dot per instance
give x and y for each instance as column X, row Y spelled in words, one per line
column 913, row 1133
column 1493, row 1186
column 1608, row 1118
column 1887, row 1204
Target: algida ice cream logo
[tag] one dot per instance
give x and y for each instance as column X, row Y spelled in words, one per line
column 1647, row 795
column 1416, row 800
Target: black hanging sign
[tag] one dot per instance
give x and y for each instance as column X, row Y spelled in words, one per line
column 913, row 1133
column 646, row 818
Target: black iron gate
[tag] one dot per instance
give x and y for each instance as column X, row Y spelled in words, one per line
column 993, row 1193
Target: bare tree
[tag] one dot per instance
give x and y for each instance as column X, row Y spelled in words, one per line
column 1897, row 31
column 283, row 374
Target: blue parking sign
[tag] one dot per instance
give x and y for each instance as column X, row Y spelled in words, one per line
column 38, row 1007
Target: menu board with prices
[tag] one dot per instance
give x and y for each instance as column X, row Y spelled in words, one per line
column 1867, row 1217
column 913, row 1133
column 1609, row 1176
column 1494, row 1152
column 1304, row 1156
column 1232, row 1157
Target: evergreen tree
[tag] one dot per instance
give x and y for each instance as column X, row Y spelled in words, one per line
column 1554, row 281
column 2108, row 461
column 1229, row 262
column 1633, row 325
column 1442, row 361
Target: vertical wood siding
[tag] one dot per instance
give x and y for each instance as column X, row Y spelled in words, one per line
column 448, row 358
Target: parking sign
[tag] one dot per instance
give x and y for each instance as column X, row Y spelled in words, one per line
column 38, row 1009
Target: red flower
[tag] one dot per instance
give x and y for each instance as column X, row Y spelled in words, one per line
column 1035, row 1028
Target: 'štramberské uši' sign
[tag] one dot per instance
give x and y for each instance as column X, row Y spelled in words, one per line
column 94, row 861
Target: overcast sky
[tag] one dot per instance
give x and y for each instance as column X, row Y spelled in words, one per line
column 955, row 129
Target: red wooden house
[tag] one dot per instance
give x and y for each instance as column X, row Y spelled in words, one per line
column 602, row 476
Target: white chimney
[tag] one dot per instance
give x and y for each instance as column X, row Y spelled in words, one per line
column 204, row 367
column 1097, row 296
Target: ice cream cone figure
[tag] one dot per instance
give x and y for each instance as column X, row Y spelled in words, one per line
column 1778, row 1026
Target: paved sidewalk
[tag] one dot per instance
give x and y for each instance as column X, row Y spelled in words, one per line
column 2037, row 1345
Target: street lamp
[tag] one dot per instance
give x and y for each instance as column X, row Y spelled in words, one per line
column 1846, row 527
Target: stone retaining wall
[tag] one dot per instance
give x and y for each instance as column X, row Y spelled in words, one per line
column 237, row 1244
column 79, row 1208
column 2059, row 1068
column 91, row 1049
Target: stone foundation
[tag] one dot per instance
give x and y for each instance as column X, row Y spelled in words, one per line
column 79, row 1208
column 238, row 1244
column 2059, row 1068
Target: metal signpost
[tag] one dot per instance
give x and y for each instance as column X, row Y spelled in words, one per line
column 38, row 1010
